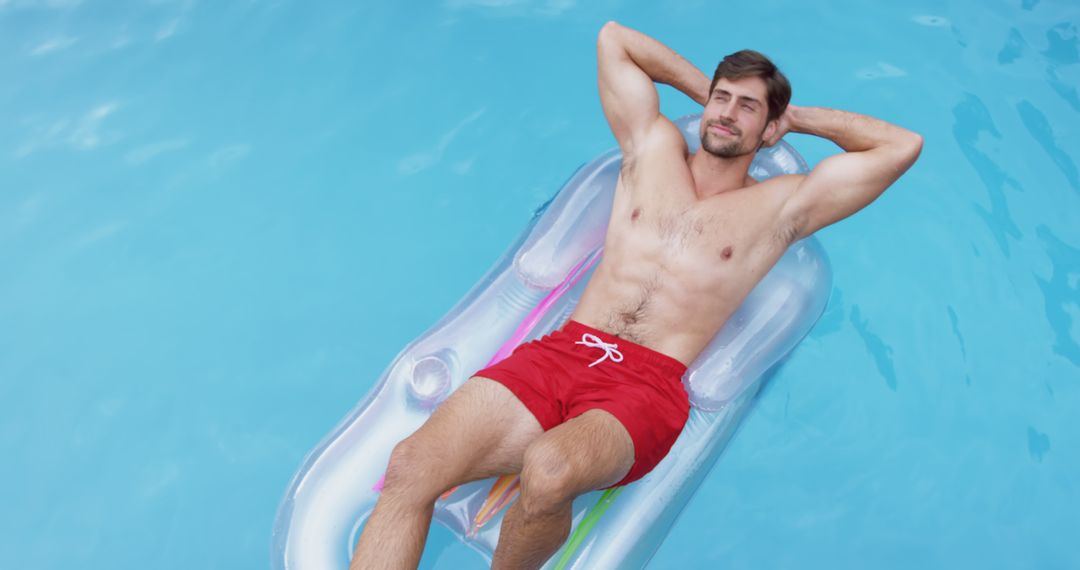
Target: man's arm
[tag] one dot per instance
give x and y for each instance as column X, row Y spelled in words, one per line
column 628, row 63
column 877, row 154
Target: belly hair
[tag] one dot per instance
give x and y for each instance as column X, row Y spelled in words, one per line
column 628, row 320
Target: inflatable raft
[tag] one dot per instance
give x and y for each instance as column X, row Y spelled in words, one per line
column 529, row 292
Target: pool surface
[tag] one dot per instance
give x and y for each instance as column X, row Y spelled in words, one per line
column 219, row 222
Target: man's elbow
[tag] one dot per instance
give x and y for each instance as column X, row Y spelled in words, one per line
column 608, row 33
column 914, row 144
column 909, row 147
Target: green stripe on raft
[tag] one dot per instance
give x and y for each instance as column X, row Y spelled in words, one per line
column 587, row 524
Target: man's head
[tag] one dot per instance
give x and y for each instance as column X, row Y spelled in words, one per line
column 747, row 97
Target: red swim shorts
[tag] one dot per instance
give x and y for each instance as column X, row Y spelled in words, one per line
column 579, row 368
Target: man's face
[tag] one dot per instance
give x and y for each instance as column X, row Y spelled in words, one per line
column 735, row 118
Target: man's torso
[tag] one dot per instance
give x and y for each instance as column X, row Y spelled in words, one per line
column 675, row 267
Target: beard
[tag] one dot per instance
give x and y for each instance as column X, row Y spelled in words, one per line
column 720, row 147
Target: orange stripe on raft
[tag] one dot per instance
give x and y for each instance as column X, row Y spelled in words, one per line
column 502, row 493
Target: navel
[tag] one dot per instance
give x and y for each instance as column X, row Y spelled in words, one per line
column 635, row 214
column 726, row 252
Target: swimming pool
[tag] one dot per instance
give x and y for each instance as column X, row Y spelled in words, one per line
column 218, row 224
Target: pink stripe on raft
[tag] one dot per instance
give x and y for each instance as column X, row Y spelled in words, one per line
column 541, row 309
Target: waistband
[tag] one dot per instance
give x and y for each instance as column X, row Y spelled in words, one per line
column 630, row 350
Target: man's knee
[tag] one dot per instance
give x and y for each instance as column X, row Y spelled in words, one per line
column 547, row 480
column 413, row 471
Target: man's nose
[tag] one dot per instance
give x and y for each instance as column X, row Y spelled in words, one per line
column 728, row 111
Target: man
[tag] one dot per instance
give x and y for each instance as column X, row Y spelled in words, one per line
column 599, row 402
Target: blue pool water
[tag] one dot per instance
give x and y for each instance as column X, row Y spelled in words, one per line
column 220, row 221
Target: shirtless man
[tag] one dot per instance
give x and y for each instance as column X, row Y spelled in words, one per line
column 599, row 402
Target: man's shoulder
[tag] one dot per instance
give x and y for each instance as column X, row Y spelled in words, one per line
column 663, row 136
column 661, row 148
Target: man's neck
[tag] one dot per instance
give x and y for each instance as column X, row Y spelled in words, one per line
column 715, row 175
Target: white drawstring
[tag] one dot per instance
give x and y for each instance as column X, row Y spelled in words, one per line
column 610, row 349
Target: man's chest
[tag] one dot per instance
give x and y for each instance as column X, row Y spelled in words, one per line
column 669, row 222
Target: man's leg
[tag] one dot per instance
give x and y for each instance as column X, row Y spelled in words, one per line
column 591, row 451
column 480, row 431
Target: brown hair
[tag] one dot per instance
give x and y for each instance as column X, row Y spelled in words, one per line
column 749, row 63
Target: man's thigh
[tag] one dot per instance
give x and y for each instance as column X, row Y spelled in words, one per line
column 480, row 431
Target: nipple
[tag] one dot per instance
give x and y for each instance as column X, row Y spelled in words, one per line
column 726, row 253
column 635, row 214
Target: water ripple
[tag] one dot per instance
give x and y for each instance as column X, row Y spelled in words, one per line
column 878, row 349
column 1038, row 443
column 1065, row 90
column 1013, row 48
column 972, row 119
column 1062, row 45
column 956, row 331
column 1061, row 292
column 1040, row 130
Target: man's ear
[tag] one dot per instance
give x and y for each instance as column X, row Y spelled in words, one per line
column 770, row 132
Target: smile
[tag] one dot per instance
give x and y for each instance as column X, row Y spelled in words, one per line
column 721, row 129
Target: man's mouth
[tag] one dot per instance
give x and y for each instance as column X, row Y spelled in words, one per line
column 721, row 129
